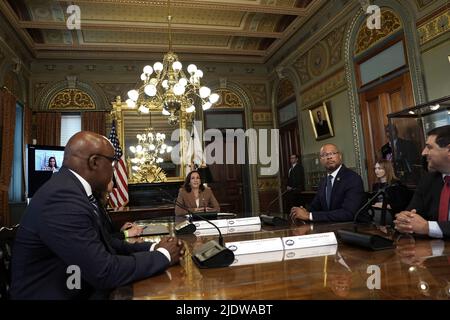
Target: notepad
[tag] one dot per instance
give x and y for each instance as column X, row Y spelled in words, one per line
column 154, row 230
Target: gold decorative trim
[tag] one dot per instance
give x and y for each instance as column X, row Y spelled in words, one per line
column 228, row 100
column 262, row 116
column 285, row 90
column 324, row 88
column 258, row 93
column 366, row 38
column 434, row 27
column 71, row 99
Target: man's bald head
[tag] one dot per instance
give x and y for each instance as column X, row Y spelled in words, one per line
column 88, row 153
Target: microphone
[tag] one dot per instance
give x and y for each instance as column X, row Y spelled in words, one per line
column 185, row 227
column 212, row 254
column 271, row 220
column 368, row 241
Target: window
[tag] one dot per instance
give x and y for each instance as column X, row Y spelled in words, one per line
column 15, row 187
column 70, row 124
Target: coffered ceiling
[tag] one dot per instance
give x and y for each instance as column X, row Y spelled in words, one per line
column 219, row 30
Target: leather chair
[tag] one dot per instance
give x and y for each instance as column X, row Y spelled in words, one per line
column 6, row 241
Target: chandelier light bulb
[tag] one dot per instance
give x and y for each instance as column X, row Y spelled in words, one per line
column 213, row 98
column 133, row 149
column 133, row 95
column 204, row 92
column 165, row 112
column 178, row 89
column 183, row 82
column 192, row 68
column 131, row 103
column 143, row 109
column 138, row 148
column 143, row 77
column 169, row 149
column 176, row 66
column 163, row 146
column 148, row 70
column 150, row 90
column 198, row 73
column 165, row 84
column 135, row 168
column 190, row 109
column 206, row 105
column 158, row 66
column 152, row 147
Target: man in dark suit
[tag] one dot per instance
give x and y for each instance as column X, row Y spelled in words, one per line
column 428, row 211
column 406, row 152
column 295, row 184
column 340, row 193
column 61, row 249
column 296, row 176
column 321, row 125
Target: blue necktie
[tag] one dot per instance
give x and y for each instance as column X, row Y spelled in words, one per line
column 328, row 191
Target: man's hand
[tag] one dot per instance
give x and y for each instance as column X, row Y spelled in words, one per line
column 411, row 222
column 174, row 246
column 299, row 213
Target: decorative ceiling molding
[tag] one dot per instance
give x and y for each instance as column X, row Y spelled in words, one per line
column 435, row 27
column 71, row 99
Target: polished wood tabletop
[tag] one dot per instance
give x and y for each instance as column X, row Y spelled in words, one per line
column 416, row 268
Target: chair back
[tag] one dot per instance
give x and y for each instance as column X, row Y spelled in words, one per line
column 7, row 236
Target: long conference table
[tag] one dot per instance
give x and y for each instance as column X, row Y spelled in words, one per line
column 416, row 268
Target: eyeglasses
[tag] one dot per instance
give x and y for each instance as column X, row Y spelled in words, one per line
column 113, row 159
column 328, row 154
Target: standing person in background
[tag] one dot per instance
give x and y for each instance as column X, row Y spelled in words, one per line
column 295, row 184
column 195, row 196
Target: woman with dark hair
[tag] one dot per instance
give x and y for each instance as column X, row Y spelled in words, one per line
column 195, row 196
column 52, row 165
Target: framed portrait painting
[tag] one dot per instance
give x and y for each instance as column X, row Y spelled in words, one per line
column 321, row 122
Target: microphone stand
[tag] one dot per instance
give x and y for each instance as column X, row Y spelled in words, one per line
column 271, row 220
column 368, row 241
column 211, row 254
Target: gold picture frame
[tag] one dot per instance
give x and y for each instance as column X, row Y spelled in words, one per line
column 321, row 122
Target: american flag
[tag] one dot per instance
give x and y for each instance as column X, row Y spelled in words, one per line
column 119, row 196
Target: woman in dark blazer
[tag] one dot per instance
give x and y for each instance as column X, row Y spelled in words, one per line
column 195, row 196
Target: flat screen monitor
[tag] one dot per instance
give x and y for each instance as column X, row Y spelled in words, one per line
column 42, row 161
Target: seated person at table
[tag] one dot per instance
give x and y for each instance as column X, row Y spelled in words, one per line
column 428, row 211
column 340, row 194
column 195, row 196
column 62, row 229
column 398, row 195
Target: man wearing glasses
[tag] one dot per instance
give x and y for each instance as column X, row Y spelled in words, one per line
column 62, row 231
column 340, row 193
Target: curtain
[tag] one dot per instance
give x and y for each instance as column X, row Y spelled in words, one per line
column 48, row 128
column 7, row 123
column 94, row 121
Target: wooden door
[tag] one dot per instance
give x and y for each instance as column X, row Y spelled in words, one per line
column 391, row 96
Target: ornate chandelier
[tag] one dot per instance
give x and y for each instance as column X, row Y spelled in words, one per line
column 166, row 87
column 147, row 156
